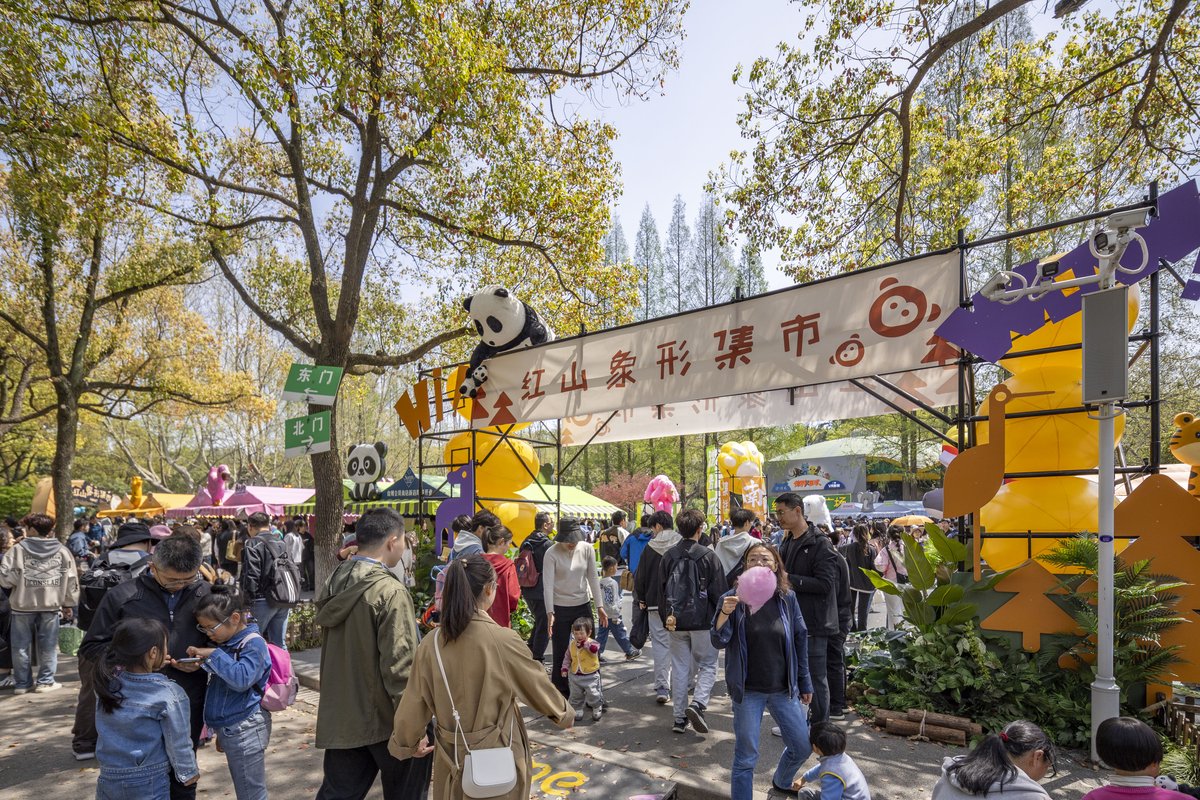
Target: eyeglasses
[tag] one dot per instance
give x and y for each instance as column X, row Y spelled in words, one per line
column 762, row 561
column 214, row 628
column 176, row 583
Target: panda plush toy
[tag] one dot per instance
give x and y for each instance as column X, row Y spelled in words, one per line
column 365, row 466
column 503, row 323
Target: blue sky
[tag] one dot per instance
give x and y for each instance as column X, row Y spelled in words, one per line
column 669, row 143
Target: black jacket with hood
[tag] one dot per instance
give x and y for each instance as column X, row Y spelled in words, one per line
column 143, row 597
column 649, row 578
column 815, row 571
column 709, row 566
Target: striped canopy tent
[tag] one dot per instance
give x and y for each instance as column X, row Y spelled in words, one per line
column 153, row 505
column 246, row 500
column 575, row 502
column 406, row 508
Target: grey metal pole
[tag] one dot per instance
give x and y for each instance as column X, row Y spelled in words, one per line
column 1106, row 695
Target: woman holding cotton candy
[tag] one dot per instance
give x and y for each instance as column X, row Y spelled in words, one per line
column 759, row 622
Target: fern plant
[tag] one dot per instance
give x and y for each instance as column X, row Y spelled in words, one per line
column 1144, row 607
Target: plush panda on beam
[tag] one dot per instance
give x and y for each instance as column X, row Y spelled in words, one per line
column 365, row 466
column 503, row 323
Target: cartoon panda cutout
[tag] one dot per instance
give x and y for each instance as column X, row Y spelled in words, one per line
column 365, row 466
column 503, row 323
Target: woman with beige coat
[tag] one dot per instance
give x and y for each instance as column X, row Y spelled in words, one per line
column 488, row 669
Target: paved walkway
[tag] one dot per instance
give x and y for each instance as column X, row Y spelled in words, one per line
column 631, row 752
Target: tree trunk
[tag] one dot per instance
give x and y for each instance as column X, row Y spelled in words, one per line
column 682, row 474
column 66, row 426
column 327, row 480
column 607, row 468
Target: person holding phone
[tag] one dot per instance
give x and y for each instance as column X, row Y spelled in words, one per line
column 167, row 592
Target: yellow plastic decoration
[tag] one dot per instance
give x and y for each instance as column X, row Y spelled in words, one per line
column 1043, row 505
column 1057, row 442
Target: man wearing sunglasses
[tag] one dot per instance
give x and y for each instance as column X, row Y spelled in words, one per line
column 167, row 592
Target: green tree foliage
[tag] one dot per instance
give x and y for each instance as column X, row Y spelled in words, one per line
column 891, row 126
column 648, row 257
column 385, row 156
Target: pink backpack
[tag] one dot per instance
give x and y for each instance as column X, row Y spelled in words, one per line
column 282, row 685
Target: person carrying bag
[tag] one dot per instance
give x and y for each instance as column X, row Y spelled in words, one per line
column 480, row 746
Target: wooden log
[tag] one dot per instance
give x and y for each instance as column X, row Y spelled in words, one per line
column 882, row 715
column 935, row 733
column 945, row 721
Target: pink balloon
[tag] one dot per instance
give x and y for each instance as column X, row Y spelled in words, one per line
column 755, row 587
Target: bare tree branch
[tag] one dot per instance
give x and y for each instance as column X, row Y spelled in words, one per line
column 366, row 361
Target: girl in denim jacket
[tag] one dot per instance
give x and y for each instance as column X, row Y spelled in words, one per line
column 144, row 720
column 239, row 666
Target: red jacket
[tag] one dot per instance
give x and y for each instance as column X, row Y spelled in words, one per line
column 508, row 591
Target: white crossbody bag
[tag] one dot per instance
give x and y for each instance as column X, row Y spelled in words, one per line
column 489, row 772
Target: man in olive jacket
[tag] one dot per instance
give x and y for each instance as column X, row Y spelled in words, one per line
column 370, row 638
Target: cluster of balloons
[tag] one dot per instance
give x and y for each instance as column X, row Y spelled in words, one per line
column 740, row 460
column 1045, row 443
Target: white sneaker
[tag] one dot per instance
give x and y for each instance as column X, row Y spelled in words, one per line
column 8, row 682
column 19, row 690
column 47, row 687
column 776, row 732
column 88, row 756
column 578, row 714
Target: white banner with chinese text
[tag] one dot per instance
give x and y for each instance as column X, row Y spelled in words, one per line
column 874, row 322
column 937, row 387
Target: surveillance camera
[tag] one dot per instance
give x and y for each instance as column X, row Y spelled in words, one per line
column 997, row 286
column 1103, row 243
column 1049, row 269
column 1128, row 220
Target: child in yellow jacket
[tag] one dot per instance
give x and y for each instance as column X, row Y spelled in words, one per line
column 581, row 667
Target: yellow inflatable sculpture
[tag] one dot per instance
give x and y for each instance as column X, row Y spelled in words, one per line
column 503, row 467
column 1045, row 443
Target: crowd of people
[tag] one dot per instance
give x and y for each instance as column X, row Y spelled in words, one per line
column 180, row 647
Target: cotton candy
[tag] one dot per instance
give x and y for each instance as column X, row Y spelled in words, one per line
column 755, row 587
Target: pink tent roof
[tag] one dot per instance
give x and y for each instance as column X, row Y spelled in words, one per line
column 245, row 501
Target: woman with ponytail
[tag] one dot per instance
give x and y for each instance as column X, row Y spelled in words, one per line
column 471, row 645
column 142, row 717
column 1009, row 764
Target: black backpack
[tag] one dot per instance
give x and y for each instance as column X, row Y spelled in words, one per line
column 281, row 575
column 685, row 594
column 96, row 582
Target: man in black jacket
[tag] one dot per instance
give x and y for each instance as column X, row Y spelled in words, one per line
column 837, row 643
column 647, row 588
column 256, row 573
column 168, row 593
column 815, row 575
column 692, row 582
column 538, row 543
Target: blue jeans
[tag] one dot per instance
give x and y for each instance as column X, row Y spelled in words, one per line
column 245, row 746
column 747, row 725
column 25, row 626
column 146, row 782
column 617, row 628
column 272, row 621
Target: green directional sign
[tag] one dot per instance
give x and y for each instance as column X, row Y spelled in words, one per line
column 310, row 383
column 307, row 435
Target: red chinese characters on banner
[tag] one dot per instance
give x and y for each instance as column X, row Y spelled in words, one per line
column 621, row 370
column 532, row 384
column 578, row 380
column 668, row 358
column 794, row 331
column 740, row 343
